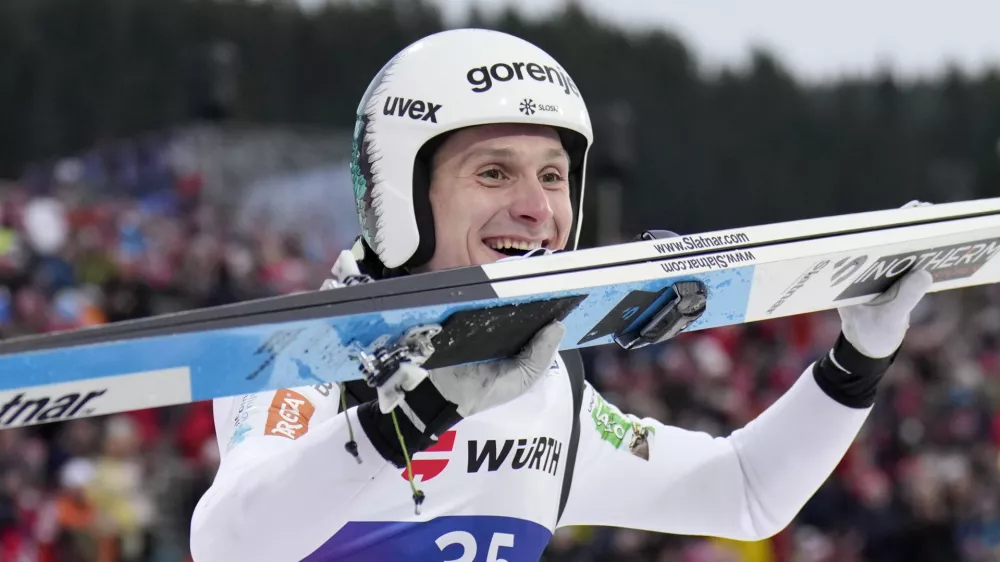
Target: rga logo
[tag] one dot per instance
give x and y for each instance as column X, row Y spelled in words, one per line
column 845, row 268
column 542, row 453
column 945, row 263
column 527, row 107
column 481, row 78
column 24, row 411
column 414, row 109
column 426, row 468
column 289, row 414
column 798, row 284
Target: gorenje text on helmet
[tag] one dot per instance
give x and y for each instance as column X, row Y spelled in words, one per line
column 482, row 77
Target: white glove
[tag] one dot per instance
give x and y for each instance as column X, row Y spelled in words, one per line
column 877, row 328
column 474, row 387
column 477, row 387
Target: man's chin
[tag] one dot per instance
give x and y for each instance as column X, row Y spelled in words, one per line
column 495, row 256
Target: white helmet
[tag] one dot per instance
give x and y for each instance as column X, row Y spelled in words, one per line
column 441, row 83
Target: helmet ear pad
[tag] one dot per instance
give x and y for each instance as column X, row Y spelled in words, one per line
column 576, row 146
column 423, row 165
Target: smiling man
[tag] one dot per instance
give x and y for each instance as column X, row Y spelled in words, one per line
column 470, row 146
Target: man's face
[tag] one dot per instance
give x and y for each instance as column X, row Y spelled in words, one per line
column 496, row 191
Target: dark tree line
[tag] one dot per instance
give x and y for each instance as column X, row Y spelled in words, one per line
column 694, row 152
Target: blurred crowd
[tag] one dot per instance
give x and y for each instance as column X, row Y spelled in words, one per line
column 80, row 245
column 110, row 236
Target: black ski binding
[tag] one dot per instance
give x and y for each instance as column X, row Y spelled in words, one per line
column 415, row 347
column 685, row 306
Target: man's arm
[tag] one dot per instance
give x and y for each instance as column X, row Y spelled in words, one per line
column 746, row 486
column 643, row 474
column 283, row 453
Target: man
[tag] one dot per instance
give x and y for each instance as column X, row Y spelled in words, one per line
column 470, row 147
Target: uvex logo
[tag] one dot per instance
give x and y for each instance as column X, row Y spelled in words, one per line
column 541, row 454
column 426, row 468
column 414, row 109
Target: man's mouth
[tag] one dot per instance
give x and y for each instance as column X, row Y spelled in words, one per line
column 513, row 246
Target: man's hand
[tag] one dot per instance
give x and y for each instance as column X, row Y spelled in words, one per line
column 481, row 386
column 470, row 388
column 478, row 387
column 871, row 334
column 877, row 328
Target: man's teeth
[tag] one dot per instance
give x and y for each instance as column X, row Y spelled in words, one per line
column 506, row 244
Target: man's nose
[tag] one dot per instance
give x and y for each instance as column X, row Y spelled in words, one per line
column 531, row 204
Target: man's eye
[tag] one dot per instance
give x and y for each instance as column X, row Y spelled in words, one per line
column 552, row 177
column 493, row 174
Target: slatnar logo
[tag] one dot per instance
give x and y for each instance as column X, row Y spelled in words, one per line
column 24, row 409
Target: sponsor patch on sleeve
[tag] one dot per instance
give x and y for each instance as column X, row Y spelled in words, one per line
column 289, row 414
column 620, row 429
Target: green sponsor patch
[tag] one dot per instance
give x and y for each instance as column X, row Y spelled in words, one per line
column 617, row 428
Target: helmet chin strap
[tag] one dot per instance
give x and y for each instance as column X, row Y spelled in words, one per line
column 358, row 250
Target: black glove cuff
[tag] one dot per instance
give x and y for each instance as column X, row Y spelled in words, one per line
column 429, row 406
column 850, row 377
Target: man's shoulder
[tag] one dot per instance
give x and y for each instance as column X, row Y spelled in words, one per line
column 236, row 417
